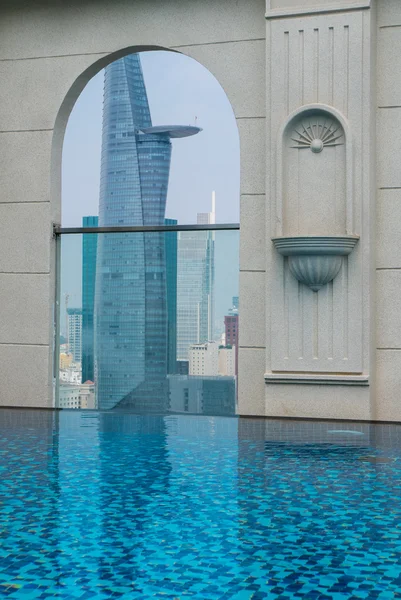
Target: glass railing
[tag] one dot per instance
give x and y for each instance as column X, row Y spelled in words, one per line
column 148, row 321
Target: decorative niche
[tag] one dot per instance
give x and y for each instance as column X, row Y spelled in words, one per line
column 315, row 195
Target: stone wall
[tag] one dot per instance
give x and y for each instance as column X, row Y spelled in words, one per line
column 335, row 353
column 387, row 405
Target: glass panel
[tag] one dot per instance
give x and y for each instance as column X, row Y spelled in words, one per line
column 149, row 321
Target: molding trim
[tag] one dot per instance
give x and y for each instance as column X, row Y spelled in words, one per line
column 302, row 11
column 317, row 378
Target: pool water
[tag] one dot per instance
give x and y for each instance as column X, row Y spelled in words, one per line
column 113, row 505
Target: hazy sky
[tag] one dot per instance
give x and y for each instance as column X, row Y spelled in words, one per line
column 180, row 91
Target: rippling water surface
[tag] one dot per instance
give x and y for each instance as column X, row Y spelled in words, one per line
column 113, row 505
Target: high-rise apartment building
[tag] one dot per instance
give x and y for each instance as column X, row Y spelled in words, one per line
column 195, row 286
column 89, row 251
column 131, row 313
column 75, row 333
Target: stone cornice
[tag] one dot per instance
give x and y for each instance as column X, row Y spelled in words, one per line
column 304, row 11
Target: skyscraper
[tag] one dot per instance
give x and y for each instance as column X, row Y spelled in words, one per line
column 131, row 330
column 75, row 333
column 195, row 286
column 89, row 251
column 208, row 218
column 171, row 279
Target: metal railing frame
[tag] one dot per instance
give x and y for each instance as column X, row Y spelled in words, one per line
column 58, row 230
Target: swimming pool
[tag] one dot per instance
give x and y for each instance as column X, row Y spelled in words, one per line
column 114, row 505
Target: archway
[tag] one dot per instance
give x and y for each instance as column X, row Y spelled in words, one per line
column 138, row 292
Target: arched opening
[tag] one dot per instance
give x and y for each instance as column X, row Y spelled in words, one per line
column 148, row 295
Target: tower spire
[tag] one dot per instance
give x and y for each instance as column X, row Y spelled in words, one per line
column 213, row 213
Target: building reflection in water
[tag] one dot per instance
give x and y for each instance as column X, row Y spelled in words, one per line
column 112, row 467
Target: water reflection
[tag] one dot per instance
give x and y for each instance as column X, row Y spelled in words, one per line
column 113, row 504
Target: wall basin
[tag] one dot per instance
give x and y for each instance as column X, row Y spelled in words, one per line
column 315, row 259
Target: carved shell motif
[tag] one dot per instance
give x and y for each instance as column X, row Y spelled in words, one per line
column 317, row 132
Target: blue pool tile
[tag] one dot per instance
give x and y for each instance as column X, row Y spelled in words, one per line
column 134, row 507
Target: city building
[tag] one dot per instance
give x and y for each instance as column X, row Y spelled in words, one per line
column 65, row 360
column 77, row 396
column 219, row 395
column 68, row 395
column 208, row 218
column 185, row 394
column 195, row 286
column 227, row 364
column 182, row 367
column 131, row 312
column 204, row 359
column 87, row 396
column 171, row 249
column 212, row 359
column 71, row 374
column 202, row 395
column 89, row 250
column 74, row 316
column 231, row 327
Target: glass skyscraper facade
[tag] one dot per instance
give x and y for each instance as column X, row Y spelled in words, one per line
column 195, row 290
column 195, row 285
column 171, row 248
column 131, row 312
column 89, row 251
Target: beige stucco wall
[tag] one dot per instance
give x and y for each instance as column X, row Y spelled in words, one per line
column 49, row 50
column 388, row 209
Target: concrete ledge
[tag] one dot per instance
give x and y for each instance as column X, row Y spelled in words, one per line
column 294, row 11
column 309, row 378
column 318, row 401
